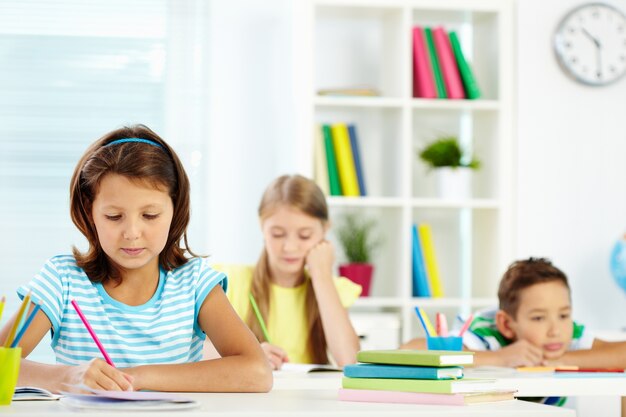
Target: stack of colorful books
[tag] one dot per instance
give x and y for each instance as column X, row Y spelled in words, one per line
column 417, row 377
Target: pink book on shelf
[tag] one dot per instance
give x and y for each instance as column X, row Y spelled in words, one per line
column 451, row 76
column 423, row 81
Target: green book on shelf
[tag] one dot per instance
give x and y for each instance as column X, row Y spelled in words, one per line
column 416, row 357
column 331, row 161
column 434, row 386
column 434, row 61
column 469, row 81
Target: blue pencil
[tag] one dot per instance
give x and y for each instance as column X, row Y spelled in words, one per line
column 419, row 316
column 30, row 318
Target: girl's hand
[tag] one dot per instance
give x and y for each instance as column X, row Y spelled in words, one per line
column 98, row 374
column 275, row 355
column 320, row 260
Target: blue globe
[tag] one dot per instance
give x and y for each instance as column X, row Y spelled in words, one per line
column 618, row 263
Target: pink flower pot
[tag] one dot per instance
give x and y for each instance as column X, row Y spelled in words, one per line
column 360, row 274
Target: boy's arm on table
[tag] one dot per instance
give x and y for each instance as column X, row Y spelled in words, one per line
column 242, row 367
column 601, row 355
column 520, row 353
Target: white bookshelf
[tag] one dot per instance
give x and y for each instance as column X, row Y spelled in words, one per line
column 345, row 43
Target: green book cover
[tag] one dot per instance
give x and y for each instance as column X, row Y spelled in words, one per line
column 434, row 386
column 416, row 357
column 331, row 161
column 434, row 60
column 469, row 81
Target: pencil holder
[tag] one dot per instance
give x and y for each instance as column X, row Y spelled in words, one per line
column 445, row 343
column 10, row 365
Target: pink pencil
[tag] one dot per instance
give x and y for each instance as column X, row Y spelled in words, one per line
column 92, row 333
column 466, row 325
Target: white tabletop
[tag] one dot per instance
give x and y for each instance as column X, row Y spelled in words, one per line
column 548, row 384
column 526, row 384
column 303, row 402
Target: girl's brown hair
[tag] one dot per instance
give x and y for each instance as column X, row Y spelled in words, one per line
column 155, row 164
column 303, row 194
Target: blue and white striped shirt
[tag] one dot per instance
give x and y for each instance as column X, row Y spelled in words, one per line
column 164, row 330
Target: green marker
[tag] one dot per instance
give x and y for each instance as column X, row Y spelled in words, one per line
column 259, row 317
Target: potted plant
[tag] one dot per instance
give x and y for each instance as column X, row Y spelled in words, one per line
column 357, row 239
column 452, row 167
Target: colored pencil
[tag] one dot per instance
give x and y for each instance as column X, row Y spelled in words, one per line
column 422, row 317
column 259, row 317
column 2, row 301
column 16, row 323
column 30, row 318
column 466, row 325
column 92, row 333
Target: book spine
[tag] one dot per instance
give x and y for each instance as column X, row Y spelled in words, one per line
column 424, row 84
column 451, row 76
column 469, row 81
column 420, row 280
column 376, row 396
column 345, row 161
column 331, row 162
column 441, row 86
column 406, row 385
column 356, row 154
column 319, row 160
column 430, row 260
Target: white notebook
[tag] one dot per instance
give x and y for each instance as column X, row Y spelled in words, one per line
column 34, row 394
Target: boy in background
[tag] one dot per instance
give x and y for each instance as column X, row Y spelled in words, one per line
column 533, row 325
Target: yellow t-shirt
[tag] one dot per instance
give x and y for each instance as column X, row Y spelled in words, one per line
column 286, row 324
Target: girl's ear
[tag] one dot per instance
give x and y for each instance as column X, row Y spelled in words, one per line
column 504, row 324
column 326, row 226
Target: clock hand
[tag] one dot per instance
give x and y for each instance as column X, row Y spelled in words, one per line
column 595, row 41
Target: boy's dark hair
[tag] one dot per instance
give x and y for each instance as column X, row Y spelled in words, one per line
column 523, row 274
column 155, row 164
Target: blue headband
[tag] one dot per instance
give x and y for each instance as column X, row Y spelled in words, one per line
column 137, row 140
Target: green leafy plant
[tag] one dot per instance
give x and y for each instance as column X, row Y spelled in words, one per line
column 356, row 235
column 446, row 152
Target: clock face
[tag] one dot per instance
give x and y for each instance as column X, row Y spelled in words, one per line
column 590, row 44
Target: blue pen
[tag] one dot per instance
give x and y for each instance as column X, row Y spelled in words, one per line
column 419, row 316
column 30, row 318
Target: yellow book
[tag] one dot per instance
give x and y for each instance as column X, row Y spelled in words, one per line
column 430, row 260
column 319, row 160
column 345, row 160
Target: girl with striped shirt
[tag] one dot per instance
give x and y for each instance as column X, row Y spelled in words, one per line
column 150, row 304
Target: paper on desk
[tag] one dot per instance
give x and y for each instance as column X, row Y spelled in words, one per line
column 307, row 367
column 125, row 400
column 128, row 395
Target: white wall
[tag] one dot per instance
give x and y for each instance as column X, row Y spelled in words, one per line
column 571, row 199
column 251, row 119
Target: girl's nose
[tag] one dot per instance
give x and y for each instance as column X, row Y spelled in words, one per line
column 131, row 232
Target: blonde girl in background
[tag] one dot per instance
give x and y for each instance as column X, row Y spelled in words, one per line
column 302, row 303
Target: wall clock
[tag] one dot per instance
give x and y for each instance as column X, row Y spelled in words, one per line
column 590, row 44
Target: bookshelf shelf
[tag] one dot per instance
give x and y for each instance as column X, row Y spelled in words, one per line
column 438, row 104
column 342, row 101
column 347, row 43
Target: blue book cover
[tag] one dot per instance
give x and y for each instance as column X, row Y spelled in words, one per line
column 420, row 280
column 356, row 155
column 368, row 370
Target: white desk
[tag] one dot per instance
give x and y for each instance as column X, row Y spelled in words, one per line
column 526, row 384
column 530, row 384
column 301, row 402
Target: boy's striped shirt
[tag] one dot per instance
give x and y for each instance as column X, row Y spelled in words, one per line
column 163, row 330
